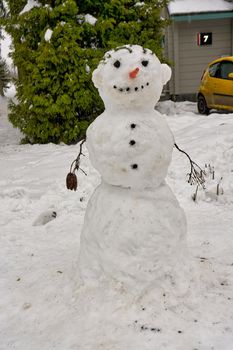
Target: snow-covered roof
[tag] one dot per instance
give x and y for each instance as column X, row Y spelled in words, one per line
column 177, row 7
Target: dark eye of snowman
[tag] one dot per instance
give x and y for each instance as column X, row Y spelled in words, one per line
column 117, row 64
column 145, row 63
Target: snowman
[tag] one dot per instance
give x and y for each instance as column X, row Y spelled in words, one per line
column 134, row 234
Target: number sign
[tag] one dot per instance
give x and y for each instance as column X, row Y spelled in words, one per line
column 204, row 39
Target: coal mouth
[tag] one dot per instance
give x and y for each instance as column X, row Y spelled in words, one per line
column 131, row 89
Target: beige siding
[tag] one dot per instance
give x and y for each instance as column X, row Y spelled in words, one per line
column 188, row 59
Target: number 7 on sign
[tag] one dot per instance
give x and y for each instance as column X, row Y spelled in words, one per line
column 204, row 39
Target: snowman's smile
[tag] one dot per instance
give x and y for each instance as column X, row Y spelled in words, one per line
column 131, row 89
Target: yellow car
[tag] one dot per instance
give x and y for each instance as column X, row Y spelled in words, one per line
column 216, row 89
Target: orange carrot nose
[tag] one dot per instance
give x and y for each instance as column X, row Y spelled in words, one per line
column 134, row 73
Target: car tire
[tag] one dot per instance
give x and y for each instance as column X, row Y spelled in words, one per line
column 202, row 105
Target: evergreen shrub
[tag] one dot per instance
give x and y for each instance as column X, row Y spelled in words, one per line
column 56, row 50
column 4, row 77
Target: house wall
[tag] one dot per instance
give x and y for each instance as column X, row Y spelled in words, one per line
column 189, row 60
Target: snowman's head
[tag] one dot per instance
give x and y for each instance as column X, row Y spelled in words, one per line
column 131, row 75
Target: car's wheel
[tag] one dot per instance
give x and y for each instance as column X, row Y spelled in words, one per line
column 202, row 106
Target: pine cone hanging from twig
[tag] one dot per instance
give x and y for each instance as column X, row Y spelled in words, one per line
column 71, row 182
column 71, row 178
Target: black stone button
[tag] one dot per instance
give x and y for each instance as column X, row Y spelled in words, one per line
column 134, row 166
column 132, row 142
column 133, row 126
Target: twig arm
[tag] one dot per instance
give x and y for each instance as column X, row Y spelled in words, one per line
column 196, row 175
column 71, row 178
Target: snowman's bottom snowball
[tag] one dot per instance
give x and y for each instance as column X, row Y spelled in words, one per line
column 135, row 241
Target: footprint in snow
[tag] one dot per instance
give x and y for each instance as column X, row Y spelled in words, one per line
column 45, row 217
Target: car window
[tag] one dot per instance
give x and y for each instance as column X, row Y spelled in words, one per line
column 225, row 69
column 214, row 70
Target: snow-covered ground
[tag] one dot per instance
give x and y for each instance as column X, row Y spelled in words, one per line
column 39, row 252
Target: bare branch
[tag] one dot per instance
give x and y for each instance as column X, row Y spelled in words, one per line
column 196, row 175
column 76, row 162
column 194, row 196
